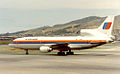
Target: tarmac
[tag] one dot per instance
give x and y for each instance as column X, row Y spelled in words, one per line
column 83, row 62
column 86, row 62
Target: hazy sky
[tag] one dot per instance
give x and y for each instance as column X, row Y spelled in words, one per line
column 17, row 15
column 48, row 4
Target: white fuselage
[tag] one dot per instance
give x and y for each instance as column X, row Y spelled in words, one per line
column 74, row 42
column 91, row 38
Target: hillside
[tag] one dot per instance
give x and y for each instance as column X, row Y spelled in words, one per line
column 70, row 28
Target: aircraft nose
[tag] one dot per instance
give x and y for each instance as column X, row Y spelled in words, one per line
column 11, row 45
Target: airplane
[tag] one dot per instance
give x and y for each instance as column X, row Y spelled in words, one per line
column 93, row 38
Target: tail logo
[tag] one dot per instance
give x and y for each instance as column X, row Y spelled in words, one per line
column 107, row 25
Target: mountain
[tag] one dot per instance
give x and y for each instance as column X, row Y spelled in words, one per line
column 70, row 28
column 25, row 19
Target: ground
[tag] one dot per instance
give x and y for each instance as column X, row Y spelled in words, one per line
column 102, row 60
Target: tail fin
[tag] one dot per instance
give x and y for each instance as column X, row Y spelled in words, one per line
column 105, row 29
column 106, row 26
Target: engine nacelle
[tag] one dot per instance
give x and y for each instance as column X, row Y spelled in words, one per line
column 45, row 49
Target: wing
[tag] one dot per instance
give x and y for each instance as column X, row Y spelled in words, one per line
column 60, row 46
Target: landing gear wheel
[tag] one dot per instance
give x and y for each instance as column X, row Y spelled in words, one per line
column 70, row 53
column 61, row 53
column 26, row 51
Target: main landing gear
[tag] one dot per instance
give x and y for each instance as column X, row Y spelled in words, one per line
column 61, row 53
column 67, row 53
column 70, row 53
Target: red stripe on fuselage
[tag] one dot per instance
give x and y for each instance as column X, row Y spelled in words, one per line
column 48, row 41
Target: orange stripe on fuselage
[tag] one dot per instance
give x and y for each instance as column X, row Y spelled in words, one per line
column 47, row 41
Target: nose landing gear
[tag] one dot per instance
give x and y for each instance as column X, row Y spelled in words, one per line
column 27, row 52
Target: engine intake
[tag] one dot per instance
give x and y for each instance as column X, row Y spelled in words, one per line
column 45, row 49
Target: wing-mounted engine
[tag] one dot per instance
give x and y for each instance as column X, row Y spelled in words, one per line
column 45, row 49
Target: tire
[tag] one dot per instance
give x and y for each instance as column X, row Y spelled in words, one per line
column 70, row 53
column 61, row 53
